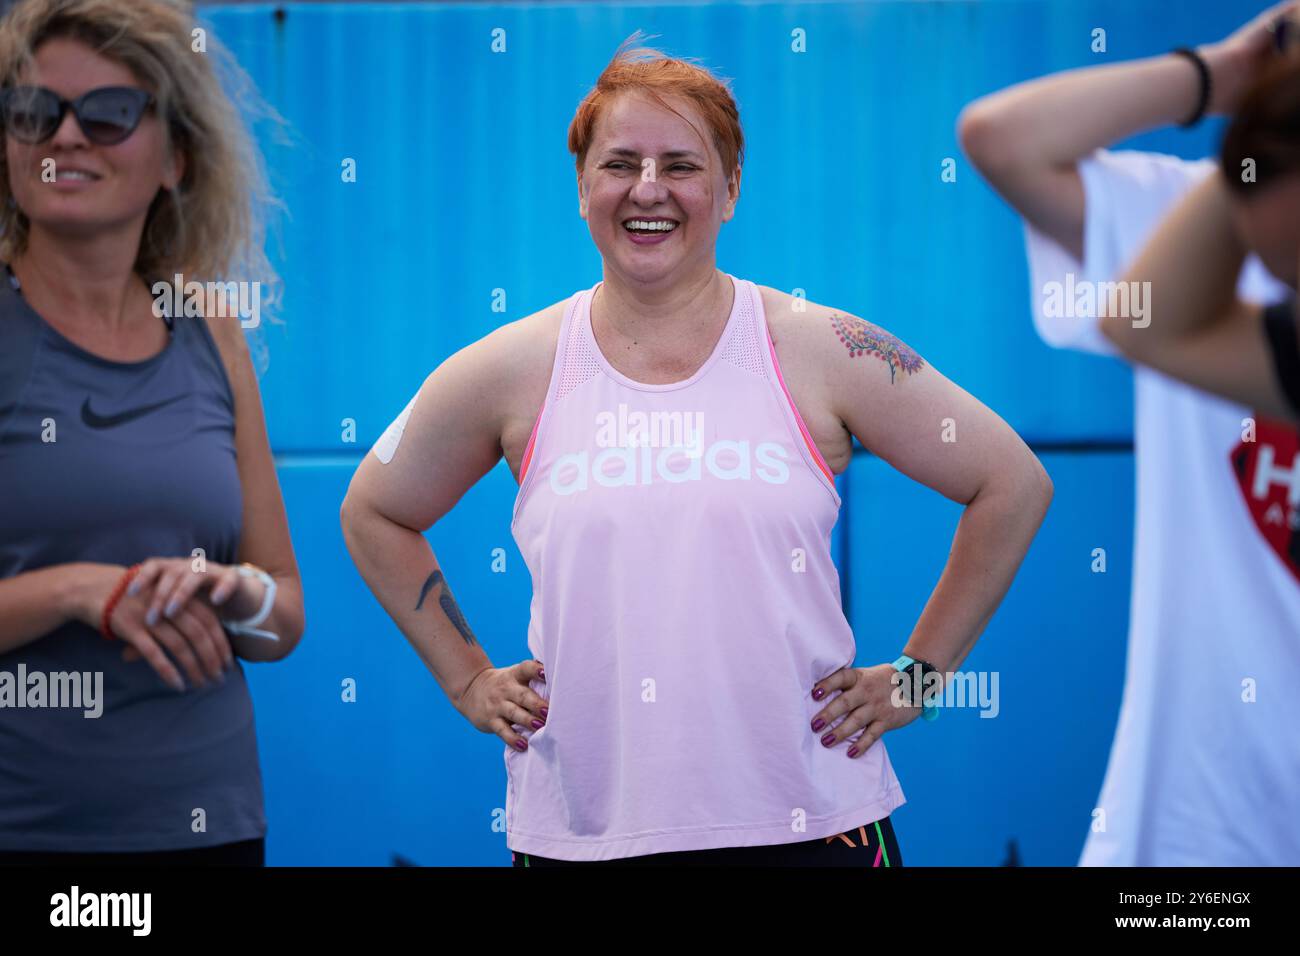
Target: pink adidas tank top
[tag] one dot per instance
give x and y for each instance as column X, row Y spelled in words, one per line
column 684, row 605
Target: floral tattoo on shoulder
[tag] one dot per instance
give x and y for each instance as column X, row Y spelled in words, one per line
column 863, row 338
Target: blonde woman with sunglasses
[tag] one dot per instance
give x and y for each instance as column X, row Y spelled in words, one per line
column 145, row 546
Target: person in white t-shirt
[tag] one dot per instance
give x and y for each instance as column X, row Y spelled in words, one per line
column 1205, row 765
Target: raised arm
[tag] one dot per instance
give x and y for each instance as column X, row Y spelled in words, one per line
column 452, row 438
column 1028, row 139
column 1199, row 331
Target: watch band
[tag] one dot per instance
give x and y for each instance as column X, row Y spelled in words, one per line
column 248, row 625
column 903, row 664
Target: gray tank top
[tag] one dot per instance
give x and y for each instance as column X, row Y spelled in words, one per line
column 142, row 464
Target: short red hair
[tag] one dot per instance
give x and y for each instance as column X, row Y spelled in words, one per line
column 649, row 71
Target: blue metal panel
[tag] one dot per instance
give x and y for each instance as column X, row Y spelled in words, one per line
column 464, row 185
column 398, row 771
column 1032, row 773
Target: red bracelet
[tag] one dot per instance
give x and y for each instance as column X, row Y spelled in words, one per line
column 118, row 590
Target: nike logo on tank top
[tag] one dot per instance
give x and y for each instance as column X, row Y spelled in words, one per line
column 684, row 605
column 93, row 419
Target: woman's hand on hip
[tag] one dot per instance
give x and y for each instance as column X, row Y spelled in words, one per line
column 866, row 700
column 499, row 698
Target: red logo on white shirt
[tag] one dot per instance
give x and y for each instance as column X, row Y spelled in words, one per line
column 1268, row 471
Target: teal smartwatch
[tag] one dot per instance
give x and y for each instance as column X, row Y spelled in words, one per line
column 917, row 671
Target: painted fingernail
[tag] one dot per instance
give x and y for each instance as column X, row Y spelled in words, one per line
column 853, row 751
column 179, row 685
column 133, row 588
column 537, row 724
column 545, row 710
column 542, row 673
column 818, row 724
column 172, row 608
column 152, row 617
column 521, row 745
column 819, row 693
column 829, row 738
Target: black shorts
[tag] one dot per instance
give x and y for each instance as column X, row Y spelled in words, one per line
column 243, row 853
column 872, row 844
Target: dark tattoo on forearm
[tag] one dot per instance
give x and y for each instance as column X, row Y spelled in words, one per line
column 448, row 603
column 863, row 338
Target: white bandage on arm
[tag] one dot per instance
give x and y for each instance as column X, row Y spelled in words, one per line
column 386, row 446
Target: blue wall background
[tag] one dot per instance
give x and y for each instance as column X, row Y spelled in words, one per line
column 464, row 186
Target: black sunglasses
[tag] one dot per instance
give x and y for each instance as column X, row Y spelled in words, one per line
column 107, row 115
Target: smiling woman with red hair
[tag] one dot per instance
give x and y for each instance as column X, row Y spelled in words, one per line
column 692, row 696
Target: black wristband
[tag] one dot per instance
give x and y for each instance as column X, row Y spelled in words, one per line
column 1204, row 71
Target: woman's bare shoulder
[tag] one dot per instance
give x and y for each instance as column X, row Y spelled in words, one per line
column 800, row 328
column 523, row 352
column 812, row 332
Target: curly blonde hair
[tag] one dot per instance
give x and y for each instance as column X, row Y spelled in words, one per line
column 212, row 226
